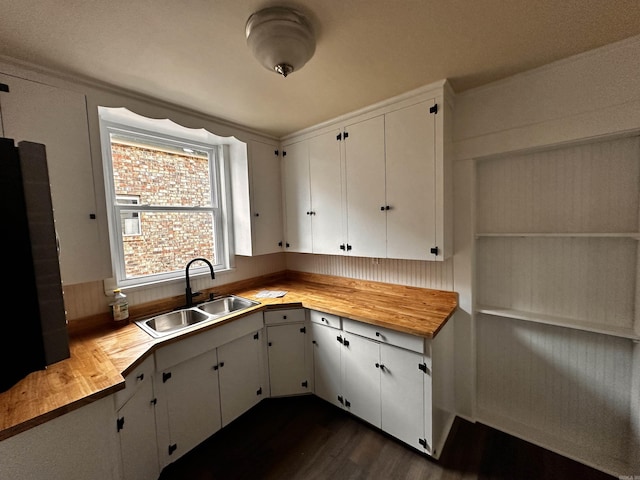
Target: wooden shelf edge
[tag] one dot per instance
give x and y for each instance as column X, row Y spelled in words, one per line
column 557, row 321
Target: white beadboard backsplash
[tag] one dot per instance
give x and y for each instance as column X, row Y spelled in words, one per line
column 435, row 275
column 88, row 299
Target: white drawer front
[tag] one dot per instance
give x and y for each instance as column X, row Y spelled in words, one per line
column 142, row 373
column 325, row 319
column 385, row 335
column 291, row 315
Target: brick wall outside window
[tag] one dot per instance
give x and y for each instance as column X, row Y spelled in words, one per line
column 168, row 240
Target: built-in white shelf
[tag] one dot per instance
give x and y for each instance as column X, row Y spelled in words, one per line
column 565, row 322
column 632, row 235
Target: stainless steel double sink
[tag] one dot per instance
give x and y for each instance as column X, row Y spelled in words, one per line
column 204, row 313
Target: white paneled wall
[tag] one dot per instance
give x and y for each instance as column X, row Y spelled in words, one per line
column 589, row 188
column 435, row 275
column 556, row 269
column 586, row 279
column 560, row 386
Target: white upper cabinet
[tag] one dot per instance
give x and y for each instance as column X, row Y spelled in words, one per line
column 297, row 194
column 57, row 118
column 396, row 180
column 365, row 188
column 257, row 200
column 326, row 193
column 411, row 182
column 313, row 195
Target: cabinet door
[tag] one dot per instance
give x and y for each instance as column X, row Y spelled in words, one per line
column 193, row 402
column 361, row 380
column 326, row 363
column 287, row 365
column 297, row 197
column 266, row 199
column 401, row 392
column 411, row 182
column 57, row 118
column 137, row 434
column 239, row 370
column 365, row 188
column 326, row 193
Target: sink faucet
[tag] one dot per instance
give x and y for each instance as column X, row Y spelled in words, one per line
column 188, row 294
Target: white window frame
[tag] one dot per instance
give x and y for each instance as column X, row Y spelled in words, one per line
column 123, row 122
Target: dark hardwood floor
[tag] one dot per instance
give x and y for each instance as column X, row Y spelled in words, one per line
column 307, row 438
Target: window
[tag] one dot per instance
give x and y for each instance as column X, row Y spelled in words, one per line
column 167, row 197
column 130, row 220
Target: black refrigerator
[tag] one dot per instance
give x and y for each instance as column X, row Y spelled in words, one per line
column 33, row 327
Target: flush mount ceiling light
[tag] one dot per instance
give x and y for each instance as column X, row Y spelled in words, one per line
column 281, row 39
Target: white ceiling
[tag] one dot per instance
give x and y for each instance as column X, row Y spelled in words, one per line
column 193, row 52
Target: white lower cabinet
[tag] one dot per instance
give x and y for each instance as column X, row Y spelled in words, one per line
column 403, row 402
column 136, row 425
column 192, row 398
column 287, row 352
column 137, row 434
column 385, row 378
column 361, row 378
column 384, row 385
column 240, row 376
column 204, row 382
column 325, row 332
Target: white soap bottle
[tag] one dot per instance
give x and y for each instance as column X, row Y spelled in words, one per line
column 119, row 306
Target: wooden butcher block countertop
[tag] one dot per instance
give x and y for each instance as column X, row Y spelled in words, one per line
column 103, row 355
